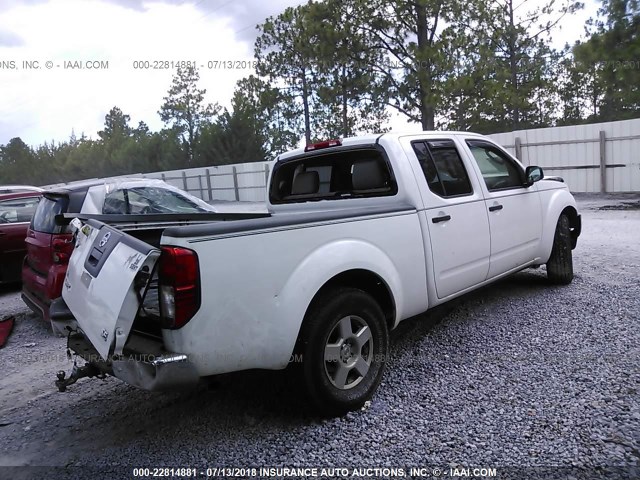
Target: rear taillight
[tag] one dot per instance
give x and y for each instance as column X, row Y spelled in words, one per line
column 179, row 281
column 61, row 248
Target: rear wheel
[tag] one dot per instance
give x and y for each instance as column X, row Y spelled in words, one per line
column 344, row 344
column 560, row 264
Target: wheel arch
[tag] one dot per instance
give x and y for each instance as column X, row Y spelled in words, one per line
column 558, row 202
column 367, row 281
column 575, row 223
column 347, row 263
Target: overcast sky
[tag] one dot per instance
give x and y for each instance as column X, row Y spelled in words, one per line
column 46, row 103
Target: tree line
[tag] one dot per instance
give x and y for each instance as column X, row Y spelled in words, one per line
column 340, row 67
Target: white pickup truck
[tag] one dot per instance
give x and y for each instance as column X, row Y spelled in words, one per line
column 360, row 234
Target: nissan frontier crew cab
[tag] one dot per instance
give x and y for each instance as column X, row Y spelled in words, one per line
column 361, row 234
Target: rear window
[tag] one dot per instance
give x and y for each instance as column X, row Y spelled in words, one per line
column 44, row 219
column 362, row 172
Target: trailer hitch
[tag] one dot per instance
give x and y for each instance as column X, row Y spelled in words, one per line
column 89, row 370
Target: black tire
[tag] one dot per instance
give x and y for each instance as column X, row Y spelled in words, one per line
column 322, row 338
column 560, row 264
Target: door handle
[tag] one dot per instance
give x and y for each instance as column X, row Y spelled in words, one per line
column 495, row 208
column 444, row 218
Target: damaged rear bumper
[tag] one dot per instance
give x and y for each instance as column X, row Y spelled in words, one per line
column 166, row 371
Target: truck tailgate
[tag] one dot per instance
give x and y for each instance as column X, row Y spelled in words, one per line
column 107, row 273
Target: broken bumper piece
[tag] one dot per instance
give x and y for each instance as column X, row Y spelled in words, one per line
column 168, row 372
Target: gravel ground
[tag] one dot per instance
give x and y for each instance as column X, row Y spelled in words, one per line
column 517, row 376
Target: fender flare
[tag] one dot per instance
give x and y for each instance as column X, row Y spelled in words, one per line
column 559, row 201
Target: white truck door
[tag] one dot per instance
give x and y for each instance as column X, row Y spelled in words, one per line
column 455, row 215
column 515, row 211
column 100, row 285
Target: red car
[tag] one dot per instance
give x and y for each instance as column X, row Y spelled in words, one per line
column 49, row 247
column 16, row 210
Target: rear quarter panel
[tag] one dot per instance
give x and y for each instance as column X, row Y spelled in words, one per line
column 257, row 286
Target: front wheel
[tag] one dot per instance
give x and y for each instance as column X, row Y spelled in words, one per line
column 560, row 264
column 345, row 342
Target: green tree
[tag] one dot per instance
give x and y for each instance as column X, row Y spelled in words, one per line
column 253, row 130
column 116, row 125
column 285, row 57
column 80, row 159
column 414, row 36
column 323, row 66
column 165, row 151
column 472, row 82
column 112, row 144
column 578, row 90
column 349, row 92
column 506, row 75
column 48, row 169
column 184, row 108
column 267, row 108
column 17, row 162
column 524, row 63
column 611, row 53
column 232, row 139
column 141, row 131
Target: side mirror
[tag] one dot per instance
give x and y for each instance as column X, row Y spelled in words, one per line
column 533, row 174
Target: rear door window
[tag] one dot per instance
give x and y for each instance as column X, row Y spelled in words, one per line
column 443, row 168
column 44, row 218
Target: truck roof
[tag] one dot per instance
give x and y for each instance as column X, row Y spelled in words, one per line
column 371, row 138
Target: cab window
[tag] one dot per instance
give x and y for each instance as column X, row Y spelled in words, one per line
column 498, row 170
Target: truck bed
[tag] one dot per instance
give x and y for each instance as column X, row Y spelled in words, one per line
column 149, row 229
